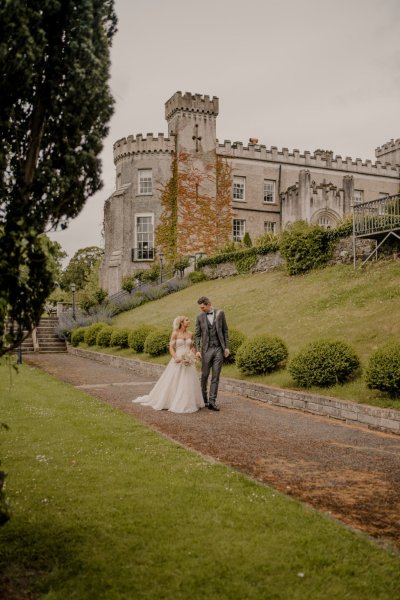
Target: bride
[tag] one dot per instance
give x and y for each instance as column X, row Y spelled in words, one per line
column 178, row 388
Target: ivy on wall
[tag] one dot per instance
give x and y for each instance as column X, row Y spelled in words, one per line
column 196, row 202
column 166, row 232
column 223, row 203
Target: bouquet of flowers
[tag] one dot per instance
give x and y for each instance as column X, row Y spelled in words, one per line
column 188, row 359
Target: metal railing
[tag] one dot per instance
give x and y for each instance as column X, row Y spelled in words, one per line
column 377, row 216
column 378, row 219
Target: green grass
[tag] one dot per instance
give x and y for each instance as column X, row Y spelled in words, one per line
column 103, row 507
column 361, row 307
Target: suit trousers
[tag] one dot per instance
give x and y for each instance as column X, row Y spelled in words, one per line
column 212, row 360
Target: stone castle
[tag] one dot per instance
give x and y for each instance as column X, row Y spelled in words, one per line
column 271, row 188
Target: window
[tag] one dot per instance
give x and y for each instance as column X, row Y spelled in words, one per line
column 238, row 229
column 269, row 190
column 325, row 222
column 144, row 238
column 269, row 227
column 239, row 184
column 358, row 196
column 145, row 182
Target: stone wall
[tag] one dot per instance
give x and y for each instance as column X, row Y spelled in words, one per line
column 265, row 262
column 343, row 254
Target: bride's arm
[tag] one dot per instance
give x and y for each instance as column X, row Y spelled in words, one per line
column 172, row 346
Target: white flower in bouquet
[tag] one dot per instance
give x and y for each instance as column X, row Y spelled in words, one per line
column 188, row 359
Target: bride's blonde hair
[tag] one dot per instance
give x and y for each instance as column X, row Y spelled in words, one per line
column 177, row 322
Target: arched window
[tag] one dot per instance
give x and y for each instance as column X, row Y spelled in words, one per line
column 325, row 222
column 325, row 218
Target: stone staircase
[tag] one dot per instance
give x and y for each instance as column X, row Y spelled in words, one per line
column 46, row 338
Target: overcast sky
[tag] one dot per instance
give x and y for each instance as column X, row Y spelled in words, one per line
column 302, row 74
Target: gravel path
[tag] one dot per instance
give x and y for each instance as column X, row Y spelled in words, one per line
column 350, row 472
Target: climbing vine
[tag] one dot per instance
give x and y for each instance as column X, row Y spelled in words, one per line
column 166, row 232
column 223, row 203
column 196, row 202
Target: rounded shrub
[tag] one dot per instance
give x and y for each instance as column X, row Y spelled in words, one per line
column 104, row 336
column 324, row 363
column 383, row 370
column 77, row 336
column 137, row 337
column 92, row 331
column 236, row 339
column 197, row 277
column 261, row 354
column 157, row 342
column 119, row 337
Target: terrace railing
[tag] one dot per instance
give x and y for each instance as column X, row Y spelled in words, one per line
column 376, row 219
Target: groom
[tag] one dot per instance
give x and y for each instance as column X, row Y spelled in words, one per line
column 212, row 334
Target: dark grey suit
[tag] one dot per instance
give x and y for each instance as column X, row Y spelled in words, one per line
column 213, row 341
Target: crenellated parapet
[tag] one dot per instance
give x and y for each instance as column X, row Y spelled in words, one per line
column 318, row 159
column 388, row 147
column 193, row 103
column 389, row 152
column 132, row 145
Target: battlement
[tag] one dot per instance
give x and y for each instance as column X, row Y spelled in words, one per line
column 388, row 147
column 195, row 103
column 318, row 158
column 142, row 145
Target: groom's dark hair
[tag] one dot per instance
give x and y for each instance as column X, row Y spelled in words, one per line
column 204, row 300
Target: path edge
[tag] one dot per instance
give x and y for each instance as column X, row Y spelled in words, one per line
column 372, row 417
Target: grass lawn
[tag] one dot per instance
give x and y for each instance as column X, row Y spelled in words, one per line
column 103, row 507
column 361, row 307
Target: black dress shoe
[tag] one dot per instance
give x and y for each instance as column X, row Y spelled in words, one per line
column 212, row 406
column 206, row 404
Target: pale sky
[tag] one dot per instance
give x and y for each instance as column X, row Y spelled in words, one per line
column 300, row 74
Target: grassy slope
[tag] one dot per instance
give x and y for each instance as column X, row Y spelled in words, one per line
column 361, row 307
column 105, row 508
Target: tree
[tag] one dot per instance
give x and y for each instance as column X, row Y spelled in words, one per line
column 82, row 267
column 55, row 257
column 55, row 107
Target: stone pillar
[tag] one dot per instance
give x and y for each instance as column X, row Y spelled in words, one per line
column 348, row 190
column 303, row 205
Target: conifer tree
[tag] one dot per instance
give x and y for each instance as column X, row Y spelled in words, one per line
column 54, row 110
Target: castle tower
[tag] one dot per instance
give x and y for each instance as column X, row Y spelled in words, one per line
column 389, row 153
column 192, row 119
column 191, row 122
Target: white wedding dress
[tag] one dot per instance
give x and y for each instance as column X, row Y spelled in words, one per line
column 178, row 389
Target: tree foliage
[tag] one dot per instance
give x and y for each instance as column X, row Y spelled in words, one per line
column 55, row 106
column 305, row 246
column 83, row 268
column 55, row 257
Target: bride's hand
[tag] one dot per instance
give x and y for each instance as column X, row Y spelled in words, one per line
column 177, row 360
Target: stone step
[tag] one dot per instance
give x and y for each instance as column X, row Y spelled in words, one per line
column 47, row 339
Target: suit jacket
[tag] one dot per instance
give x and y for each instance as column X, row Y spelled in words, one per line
column 201, row 333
